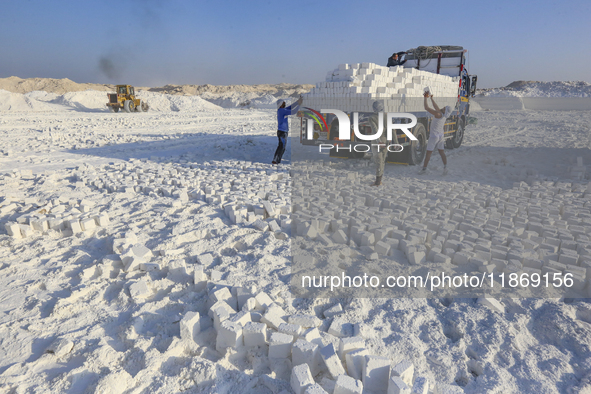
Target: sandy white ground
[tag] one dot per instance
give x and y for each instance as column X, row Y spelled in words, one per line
column 55, row 285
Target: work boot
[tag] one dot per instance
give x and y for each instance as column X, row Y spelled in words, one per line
column 378, row 181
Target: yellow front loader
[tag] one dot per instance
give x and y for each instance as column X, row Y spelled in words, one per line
column 125, row 99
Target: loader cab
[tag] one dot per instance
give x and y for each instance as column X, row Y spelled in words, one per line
column 125, row 90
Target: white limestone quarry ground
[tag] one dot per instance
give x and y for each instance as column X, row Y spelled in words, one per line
column 57, row 285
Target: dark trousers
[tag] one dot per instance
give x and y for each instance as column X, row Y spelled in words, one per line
column 282, row 137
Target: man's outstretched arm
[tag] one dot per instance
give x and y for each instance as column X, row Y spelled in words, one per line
column 294, row 108
column 437, row 114
column 435, row 105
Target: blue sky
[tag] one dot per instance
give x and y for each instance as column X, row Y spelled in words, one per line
column 152, row 42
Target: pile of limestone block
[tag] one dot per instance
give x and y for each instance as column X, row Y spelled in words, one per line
column 354, row 88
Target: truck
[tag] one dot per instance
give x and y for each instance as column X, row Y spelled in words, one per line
column 124, row 98
column 352, row 89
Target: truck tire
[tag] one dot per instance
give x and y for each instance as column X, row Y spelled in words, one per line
column 128, row 106
column 145, row 106
column 139, row 107
column 449, row 142
column 416, row 155
column 458, row 135
column 113, row 109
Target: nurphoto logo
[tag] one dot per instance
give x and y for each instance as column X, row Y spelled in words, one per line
column 345, row 126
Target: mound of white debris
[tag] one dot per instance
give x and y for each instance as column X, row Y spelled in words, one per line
column 540, row 89
column 228, row 96
column 94, row 101
column 18, row 102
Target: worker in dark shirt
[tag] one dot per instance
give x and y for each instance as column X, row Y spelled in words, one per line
column 396, row 59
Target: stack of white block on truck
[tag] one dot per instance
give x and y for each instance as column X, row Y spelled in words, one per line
column 354, row 88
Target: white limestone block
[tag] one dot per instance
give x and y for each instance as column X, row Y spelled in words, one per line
column 333, row 311
column 254, row 334
column 280, row 345
column 376, row 372
column 242, row 318
column 73, row 225
column 242, row 295
column 355, row 360
column 304, row 352
column 290, row 329
column 272, row 319
column 404, row 370
column 397, row 386
column 263, row 300
column 14, row 230
column 350, row 344
column 312, row 335
column 250, row 305
column 301, row 378
column 229, row 335
column 340, row 328
column 382, row 248
column 260, row 225
column 199, row 278
column 332, row 361
column 190, row 326
column 305, row 321
column 339, row 237
column 348, row 385
column 39, row 225
column 102, row 219
column 274, row 227
column 220, row 312
column 139, row 290
column 416, row 258
column 224, row 294
column 314, row 389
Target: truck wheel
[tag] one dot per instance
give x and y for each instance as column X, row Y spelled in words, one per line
column 419, row 147
column 128, row 106
column 459, row 135
column 113, row 109
column 139, row 107
column 145, row 106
